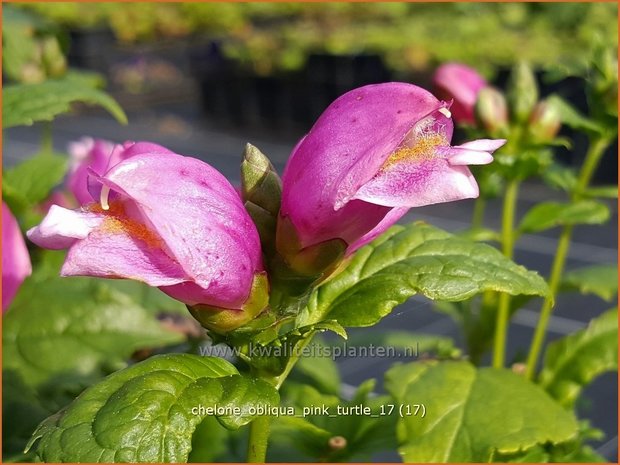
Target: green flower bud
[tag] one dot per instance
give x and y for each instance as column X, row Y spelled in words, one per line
column 52, row 58
column 261, row 190
column 260, row 182
column 491, row 111
column 545, row 122
column 603, row 82
column 522, row 92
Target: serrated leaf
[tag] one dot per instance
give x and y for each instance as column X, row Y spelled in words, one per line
column 30, row 182
column 144, row 413
column 415, row 259
column 58, row 328
column 473, row 414
column 571, row 117
column 600, row 280
column 574, row 361
column 25, row 104
column 547, row 215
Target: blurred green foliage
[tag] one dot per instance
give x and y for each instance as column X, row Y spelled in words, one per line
column 410, row 36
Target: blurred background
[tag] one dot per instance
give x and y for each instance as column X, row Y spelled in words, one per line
column 205, row 78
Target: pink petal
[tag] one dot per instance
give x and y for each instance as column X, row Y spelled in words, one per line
column 87, row 153
column 15, row 259
column 460, row 83
column 415, row 184
column 388, row 220
column 122, row 250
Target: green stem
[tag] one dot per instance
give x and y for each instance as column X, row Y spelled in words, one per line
column 508, row 239
column 259, row 428
column 477, row 220
column 259, row 437
column 545, row 312
column 593, row 157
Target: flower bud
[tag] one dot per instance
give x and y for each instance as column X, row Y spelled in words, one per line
column 173, row 222
column 374, row 153
column 522, row 91
column 261, row 190
column 545, row 122
column 603, row 83
column 52, row 58
column 260, row 182
column 15, row 259
column 461, row 84
column 491, row 111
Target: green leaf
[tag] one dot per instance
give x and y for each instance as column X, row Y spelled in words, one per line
column 278, row 356
column 30, row 182
column 480, row 235
column 600, row 280
column 148, row 412
column 60, row 329
column 571, row 117
column 548, row 215
column 318, row 371
column 473, row 414
column 574, row 361
column 415, row 259
column 25, row 104
column 560, row 177
column 22, row 412
column 212, row 442
column 407, row 342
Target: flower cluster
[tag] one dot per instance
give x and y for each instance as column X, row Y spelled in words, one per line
column 174, row 222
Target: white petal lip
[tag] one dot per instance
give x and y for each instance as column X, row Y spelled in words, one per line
column 483, row 145
column 470, row 157
column 62, row 227
column 477, row 152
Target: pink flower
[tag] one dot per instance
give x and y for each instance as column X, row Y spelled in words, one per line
column 99, row 155
column 85, row 153
column 461, row 84
column 15, row 259
column 171, row 221
column 373, row 154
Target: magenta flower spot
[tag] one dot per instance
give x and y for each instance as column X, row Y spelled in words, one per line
column 373, row 154
column 15, row 259
column 461, row 84
column 171, row 221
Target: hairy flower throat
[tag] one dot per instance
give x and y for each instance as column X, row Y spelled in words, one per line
column 422, row 148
